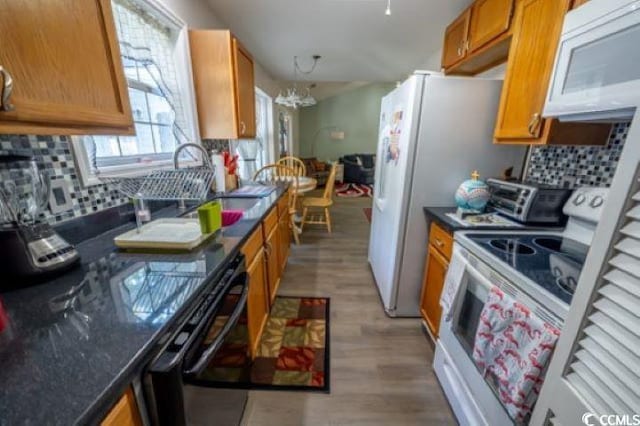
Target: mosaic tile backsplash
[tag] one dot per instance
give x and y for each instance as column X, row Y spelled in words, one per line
column 578, row 165
column 53, row 154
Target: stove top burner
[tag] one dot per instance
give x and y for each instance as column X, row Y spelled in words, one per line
column 551, row 261
column 551, row 243
column 512, row 246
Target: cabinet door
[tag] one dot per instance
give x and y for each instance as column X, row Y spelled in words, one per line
column 285, row 241
column 489, row 19
column 578, row 3
column 273, row 262
column 531, row 58
column 434, row 275
column 245, row 91
column 257, row 305
column 124, row 413
column 65, row 63
column 455, row 39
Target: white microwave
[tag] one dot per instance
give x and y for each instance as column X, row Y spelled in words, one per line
column 597, row 67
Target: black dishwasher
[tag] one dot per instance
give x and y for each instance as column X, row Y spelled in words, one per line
column 174, row 393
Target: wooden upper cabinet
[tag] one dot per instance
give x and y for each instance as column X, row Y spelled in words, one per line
column 245, row 89
column 455, row 39
column 64, row 60
column 578, row 3
column 223, row 77
column 531, row 59
column 489, row 19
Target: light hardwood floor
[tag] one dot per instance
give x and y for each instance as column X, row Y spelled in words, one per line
column 381, row 370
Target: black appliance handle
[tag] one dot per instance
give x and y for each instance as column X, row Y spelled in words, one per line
column 173, row 355
column 208, row 354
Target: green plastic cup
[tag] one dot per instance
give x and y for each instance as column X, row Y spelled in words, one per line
column 210, row 216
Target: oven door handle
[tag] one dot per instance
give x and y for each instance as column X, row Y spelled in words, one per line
column 208, row 354
column 478, row 276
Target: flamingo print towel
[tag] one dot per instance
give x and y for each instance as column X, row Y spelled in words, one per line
column 512, row 349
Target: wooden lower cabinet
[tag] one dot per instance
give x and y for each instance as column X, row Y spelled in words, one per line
column 257, row 303
column 273, row 262
column 125, row 412
column 284, row 246
column 434, row 275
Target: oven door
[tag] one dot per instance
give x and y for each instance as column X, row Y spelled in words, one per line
column 172, row 398
column 475, row 402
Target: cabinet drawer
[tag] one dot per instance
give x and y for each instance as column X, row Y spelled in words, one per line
column 253, row 245
column 441, row 239
column 270, row 222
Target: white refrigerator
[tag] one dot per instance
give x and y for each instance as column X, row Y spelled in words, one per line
column 434, row 131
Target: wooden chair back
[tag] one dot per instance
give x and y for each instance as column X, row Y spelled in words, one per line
column 331, row 181
column 295, row 164
column 277, row 173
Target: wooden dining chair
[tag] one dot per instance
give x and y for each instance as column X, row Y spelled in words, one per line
column 294, row 163
column 311, row 206
column 277, row 173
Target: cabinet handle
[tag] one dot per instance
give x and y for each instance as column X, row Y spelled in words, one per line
column 269, row 249
column 439, row 243
column 5, row 93
column 466, row 45
column 243, row 128
column 533, row 123
column 459, row 50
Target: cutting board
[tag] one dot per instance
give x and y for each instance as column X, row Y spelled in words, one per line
column 164, row 234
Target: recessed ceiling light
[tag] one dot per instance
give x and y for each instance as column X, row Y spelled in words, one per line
column 388, row 11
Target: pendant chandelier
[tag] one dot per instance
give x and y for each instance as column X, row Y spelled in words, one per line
column 294, row 98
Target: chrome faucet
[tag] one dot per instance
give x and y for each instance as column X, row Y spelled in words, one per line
column 205, row 159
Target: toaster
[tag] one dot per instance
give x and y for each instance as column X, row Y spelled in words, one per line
column 528, row 203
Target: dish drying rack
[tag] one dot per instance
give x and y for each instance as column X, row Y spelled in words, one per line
column 164, row 185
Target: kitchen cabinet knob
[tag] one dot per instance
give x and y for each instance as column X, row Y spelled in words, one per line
column 533, row 123
column 243, row 128
column 5, row 93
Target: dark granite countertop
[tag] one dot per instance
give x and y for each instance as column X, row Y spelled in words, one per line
column 70, row 347
column 439, row 214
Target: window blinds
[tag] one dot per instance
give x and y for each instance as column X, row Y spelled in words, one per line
column 605, row 369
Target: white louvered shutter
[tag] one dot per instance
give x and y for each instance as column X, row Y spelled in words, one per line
column 598, row 370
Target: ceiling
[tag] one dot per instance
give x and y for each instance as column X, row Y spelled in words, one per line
column 355, row 38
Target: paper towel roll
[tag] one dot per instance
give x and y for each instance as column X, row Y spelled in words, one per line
column 218, row 162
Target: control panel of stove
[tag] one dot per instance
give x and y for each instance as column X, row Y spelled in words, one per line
column 586, row 204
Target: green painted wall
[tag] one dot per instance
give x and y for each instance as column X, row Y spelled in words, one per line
column 356, row 113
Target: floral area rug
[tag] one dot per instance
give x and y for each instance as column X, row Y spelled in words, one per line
column 293, row 353
column 354, row 190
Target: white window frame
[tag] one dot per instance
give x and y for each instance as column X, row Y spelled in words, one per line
column 270, row 141
column 182, row 57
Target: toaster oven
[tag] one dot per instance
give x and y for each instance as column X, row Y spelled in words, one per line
column 528, row 203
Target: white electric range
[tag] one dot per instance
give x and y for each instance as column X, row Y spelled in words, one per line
column 539, row 269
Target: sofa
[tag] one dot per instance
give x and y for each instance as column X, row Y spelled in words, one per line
column 359, row 168
column 318, row 170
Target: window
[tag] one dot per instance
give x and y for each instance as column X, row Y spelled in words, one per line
column 154, row 49
column 253, row 154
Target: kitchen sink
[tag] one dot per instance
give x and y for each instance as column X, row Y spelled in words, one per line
column 243, row 204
